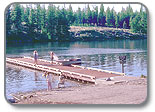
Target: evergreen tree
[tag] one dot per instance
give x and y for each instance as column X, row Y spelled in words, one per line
column 27, row 15
column 51, row 22
column 112, row 16
column 8, row 21
column 95, row 16
column 143, row 22
column 43, row 20
column 22, row 14
column 129, row 13
column 25, row 19
column 62, row 25
column 138, row 22
column 16, row 18
column 38, row 18
column 33, row 22
column 70, row 17
column 84, row 20
column 122, row 17
column 37, row 21
column 89, row 15
column 101, row 17
column 79, row 16
column 117, row 20
column 108, row 17
column 135, row 23
column 76, row 17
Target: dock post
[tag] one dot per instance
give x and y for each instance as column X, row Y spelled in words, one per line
column 122, row 60
column 122, row 68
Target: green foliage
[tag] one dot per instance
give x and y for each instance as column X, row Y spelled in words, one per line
column 89, row 15
column 52, row 23
column 16, row 18
column 8, row 21
column 43, row 20
column 108, row 17
column 101, row 16
column 138, row 22
column 116, row 21
column 70, row 15
column 33, row 22
column 39, row 23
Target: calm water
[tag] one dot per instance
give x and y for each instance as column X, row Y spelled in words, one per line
column 103, row 55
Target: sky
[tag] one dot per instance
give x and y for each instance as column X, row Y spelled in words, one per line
column 117, row 7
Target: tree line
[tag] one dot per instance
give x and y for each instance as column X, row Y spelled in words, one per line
column 126, row 18
column 36, row 22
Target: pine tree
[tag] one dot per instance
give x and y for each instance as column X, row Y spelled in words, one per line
column 112, row 16
column 26, row 21
column 95, row 16
column 108, row 17
column 38, row 18
column 143, row 22
column 84, row 20
column 79, row 16
column 122, row 17
column 138, row 22
column 43, row 20
column 70, row 15
column 117, row 20
column 135, row 24
column 16, row 18
column 64, row 26
column 51, row 22
column 37, row 21
column 76, row 17
column 8, row 21
column 101, row 17
column 89, row 15
column 33, row 22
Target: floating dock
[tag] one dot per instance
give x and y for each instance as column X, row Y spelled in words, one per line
column 76, row 72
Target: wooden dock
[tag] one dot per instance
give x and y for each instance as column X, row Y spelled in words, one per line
column 76, row 72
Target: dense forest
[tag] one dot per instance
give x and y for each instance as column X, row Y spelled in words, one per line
column 40, row 23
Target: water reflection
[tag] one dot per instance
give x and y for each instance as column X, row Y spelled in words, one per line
column 49, row 82
column 103, row 55
column 20, row 79
column 136, row 63
column 36, row 76
column 61, row 83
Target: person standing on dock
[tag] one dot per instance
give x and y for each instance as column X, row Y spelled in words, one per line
column 35, row 55
column 52, row 56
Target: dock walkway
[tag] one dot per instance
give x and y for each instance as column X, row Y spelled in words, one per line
column 76, row 72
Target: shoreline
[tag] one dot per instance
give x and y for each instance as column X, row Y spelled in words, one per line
column 82, row 33
column 121, row 90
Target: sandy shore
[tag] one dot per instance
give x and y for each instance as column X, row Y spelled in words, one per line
column 122, row 90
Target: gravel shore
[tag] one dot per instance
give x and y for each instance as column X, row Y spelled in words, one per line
column 124, row 90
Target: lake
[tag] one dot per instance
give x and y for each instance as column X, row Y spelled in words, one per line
column 98, row 54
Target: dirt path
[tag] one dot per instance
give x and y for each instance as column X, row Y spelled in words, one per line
column 128, row 92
